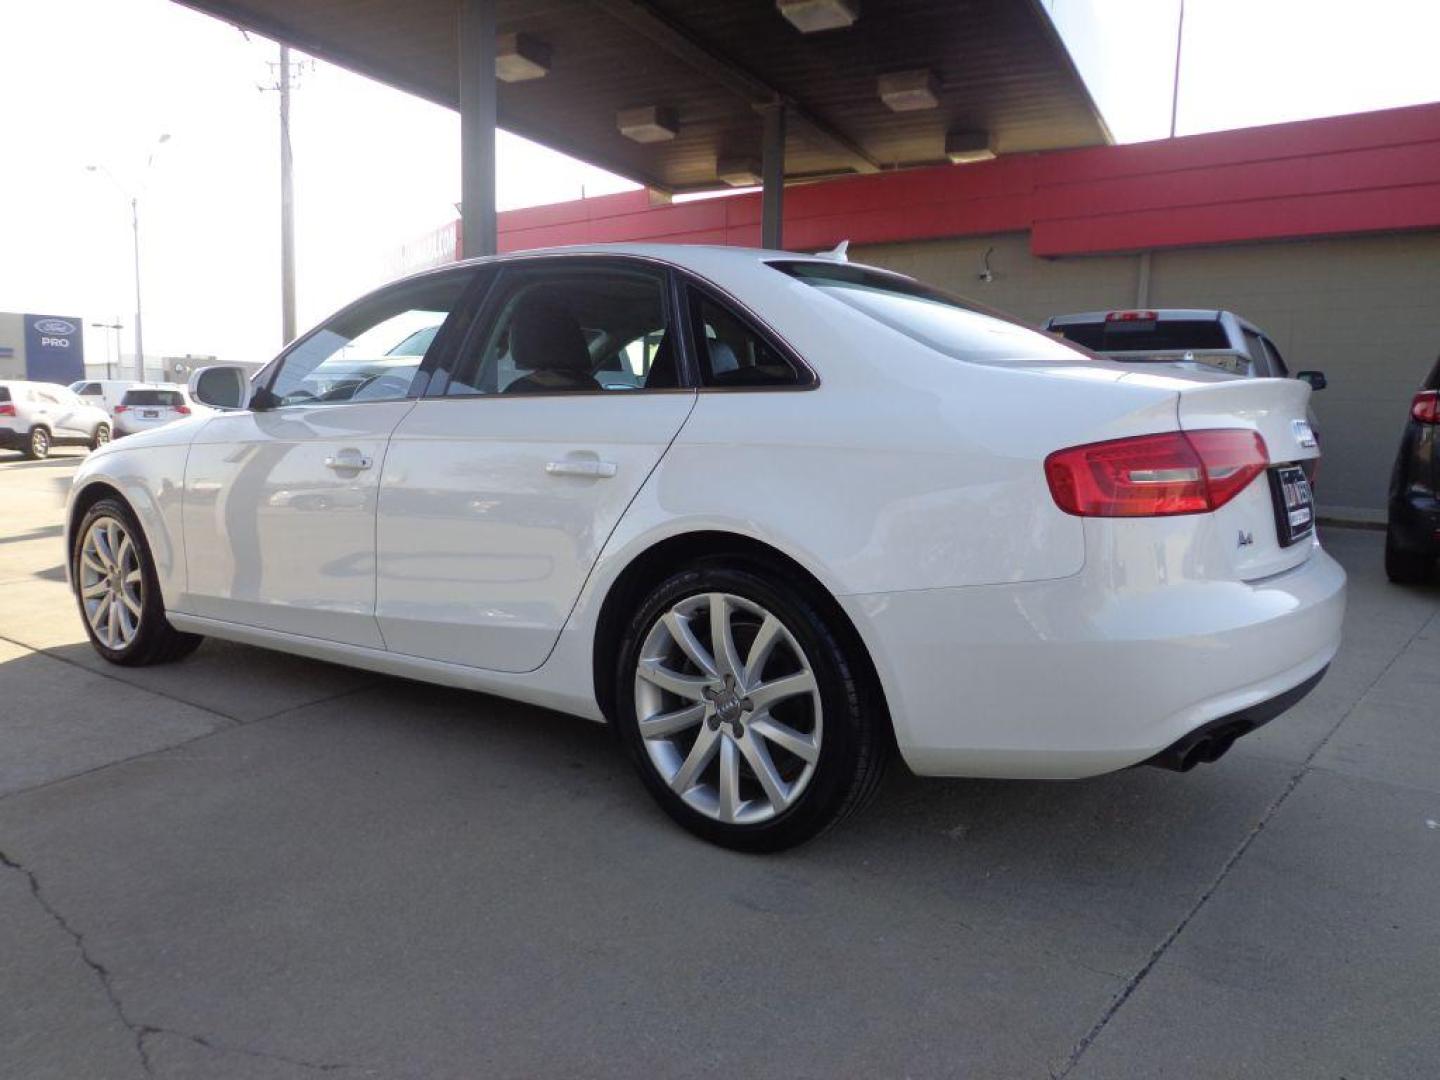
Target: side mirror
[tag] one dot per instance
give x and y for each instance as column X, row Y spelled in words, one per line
column 221, row 387
column 1316, row 379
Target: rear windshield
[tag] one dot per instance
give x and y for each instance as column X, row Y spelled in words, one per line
column 4, row 393
column 1155, row 335
column 934, row 318
column 169, row 398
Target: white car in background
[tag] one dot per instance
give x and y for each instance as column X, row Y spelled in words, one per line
column 103, row 393
column 35, row 416
column 772, row 516
column 151, row 405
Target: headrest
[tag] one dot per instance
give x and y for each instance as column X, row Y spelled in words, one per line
column 544, row 336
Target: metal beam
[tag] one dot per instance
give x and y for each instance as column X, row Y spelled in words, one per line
column 772, row 169
column 646, row 21
column 479, row 235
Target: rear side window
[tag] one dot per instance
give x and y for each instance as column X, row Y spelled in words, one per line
column 1148, row 335
column 929, row 316
column 570, row 329
column 733, row 354
column 164, row 398
column 4, row 393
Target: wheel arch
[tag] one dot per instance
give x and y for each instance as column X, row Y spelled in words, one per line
column 83, row 500
column 653, row 564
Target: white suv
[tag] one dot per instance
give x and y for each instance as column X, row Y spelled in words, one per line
column 35, row 416
column 153, row 405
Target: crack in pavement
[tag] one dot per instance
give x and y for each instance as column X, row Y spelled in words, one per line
column 142, row 1032
column 1133, row 983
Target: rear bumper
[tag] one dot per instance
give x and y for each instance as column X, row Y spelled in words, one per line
column 1414, row 522
column 1088, row 674
column 11, row 439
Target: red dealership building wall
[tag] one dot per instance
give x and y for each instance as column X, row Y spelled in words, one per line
column 1369, row 172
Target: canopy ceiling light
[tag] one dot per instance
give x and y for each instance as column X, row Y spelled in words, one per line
column 964, row 147
column 738, row 172
column 908, row 91
column 519, row 57
column 812, row 16
column 647, row 124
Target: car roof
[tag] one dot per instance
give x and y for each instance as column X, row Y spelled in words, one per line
column 697, row 257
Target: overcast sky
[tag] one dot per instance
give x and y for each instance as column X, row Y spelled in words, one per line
column 98, row 81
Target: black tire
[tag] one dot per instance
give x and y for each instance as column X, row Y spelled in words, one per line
column 101, row 436
column 1406, row 567
column 856, row 743
column 155, row 641
column 38, row 448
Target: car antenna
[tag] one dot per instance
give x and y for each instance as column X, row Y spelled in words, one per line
column 839, row 253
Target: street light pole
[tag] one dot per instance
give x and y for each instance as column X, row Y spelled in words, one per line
column 139, row 337
column 117, row 327
column 135, row 230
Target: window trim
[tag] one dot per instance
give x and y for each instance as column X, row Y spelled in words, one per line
column 264, row 380
column 487, row 311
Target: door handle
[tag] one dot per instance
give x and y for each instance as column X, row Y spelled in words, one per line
column 591, row 468
column 348, row 460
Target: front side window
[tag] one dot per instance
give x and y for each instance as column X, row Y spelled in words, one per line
column 88, row 389
column 1277, row 362
column 371, row 351
column 573, row 330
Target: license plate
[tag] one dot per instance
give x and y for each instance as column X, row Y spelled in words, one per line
column 150, row 414
column 1294, row 504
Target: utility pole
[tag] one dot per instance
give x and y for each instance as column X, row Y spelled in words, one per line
column 287, row 206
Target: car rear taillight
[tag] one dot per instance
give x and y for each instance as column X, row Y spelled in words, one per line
column 7, row 409
column 121, row 408
column 183, row 410
column 1426, row 407
column 1177, row 472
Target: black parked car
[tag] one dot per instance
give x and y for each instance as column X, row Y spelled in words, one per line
column 1412, row 540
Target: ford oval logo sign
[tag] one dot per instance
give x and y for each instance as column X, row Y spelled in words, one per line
column 54, row 327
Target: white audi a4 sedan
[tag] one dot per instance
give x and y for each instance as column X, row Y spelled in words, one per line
column 773, row 517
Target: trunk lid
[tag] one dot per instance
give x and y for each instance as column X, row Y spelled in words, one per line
column 1255, row 527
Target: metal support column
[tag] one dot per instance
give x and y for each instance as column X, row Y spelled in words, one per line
column 477, row 127
column 772, row 170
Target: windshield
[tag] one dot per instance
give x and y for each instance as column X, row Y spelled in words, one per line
column 934, row 318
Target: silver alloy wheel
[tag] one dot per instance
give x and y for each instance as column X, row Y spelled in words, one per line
column 40, row 442
column 112, row 589
column 728, row 708
column 102, row 434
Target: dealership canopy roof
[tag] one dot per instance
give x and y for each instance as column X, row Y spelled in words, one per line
column 708, row 67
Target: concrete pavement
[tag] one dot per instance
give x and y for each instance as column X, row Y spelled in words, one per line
column 252, row 865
